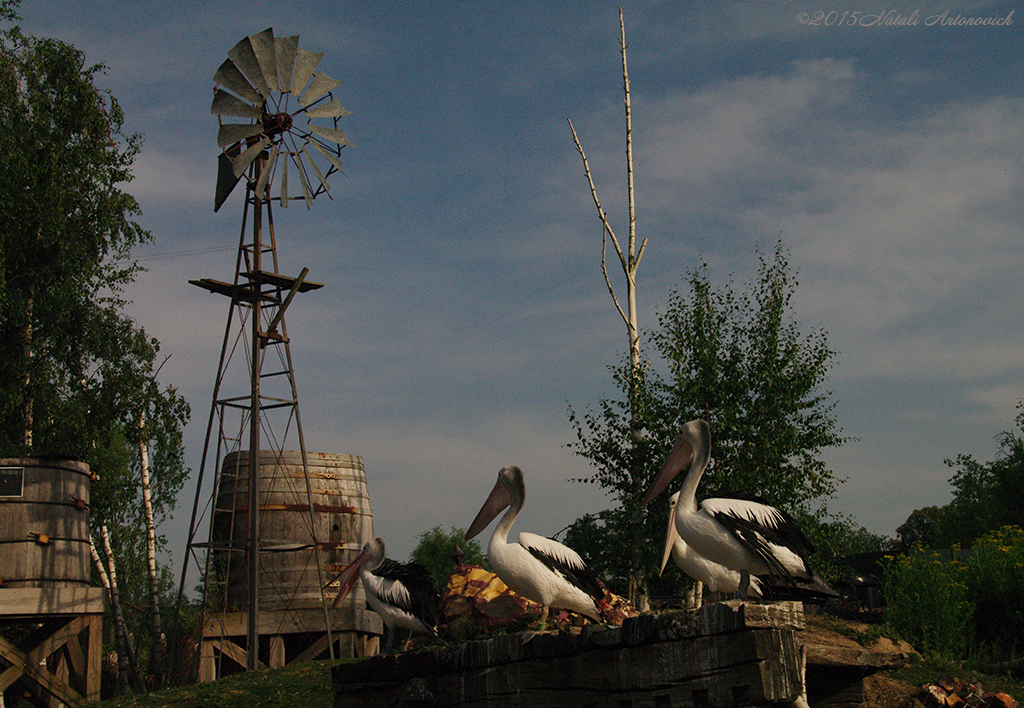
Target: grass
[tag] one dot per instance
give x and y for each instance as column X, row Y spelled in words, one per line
column 306, row 685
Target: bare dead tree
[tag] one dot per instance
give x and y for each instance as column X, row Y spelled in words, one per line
column 629, row 260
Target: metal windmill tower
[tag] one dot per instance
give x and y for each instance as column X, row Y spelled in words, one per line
column 272, row 92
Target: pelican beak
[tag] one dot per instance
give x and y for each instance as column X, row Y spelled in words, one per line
column 670, row 539
column 347, row 578
column 497, row 501
column 678, row 460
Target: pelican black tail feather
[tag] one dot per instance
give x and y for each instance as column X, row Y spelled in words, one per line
column 419, row 596
column 579, row 575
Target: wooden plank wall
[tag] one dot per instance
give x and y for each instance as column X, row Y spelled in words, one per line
column 726, row 655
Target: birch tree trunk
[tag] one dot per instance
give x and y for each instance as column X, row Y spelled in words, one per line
column 156, row 655
column 128, row 662
column 122, row 668
column 26, row 352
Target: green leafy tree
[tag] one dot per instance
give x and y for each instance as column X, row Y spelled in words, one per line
column 740, row 361
column 986, row 496
column 626, row 441
column 437, row 552
column 76, row 374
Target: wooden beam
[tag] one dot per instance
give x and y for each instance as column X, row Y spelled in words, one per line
column 316, row 648
column 234, row 652
column 233, row 624
column 58, row 638
column 94, row 667
column 30, row 603
column 39, row 677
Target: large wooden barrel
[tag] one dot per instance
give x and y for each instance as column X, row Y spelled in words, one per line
column 341, row 522
column 44, row 522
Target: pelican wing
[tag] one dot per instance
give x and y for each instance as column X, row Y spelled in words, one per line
column 564, row 561
column 409, row 587
column 759, row 527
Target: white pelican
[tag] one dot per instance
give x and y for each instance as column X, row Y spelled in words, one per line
column 537, row 568
column 716, row 577
column 745, row 536
column 401, row 593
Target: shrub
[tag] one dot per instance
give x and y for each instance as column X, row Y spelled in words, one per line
column 996, row 571
column 928, row 602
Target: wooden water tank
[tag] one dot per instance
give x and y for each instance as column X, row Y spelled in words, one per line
column 341, row 523
column 44, row 522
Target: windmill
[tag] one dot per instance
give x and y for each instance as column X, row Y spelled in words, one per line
column 278, row 120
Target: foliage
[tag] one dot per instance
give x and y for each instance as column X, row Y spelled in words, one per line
column 996, row 579
column 77, row 376
column 75, row 373
column 928, row 602
column 986, row 496
column 739, row 361
column 436, row 549
column 836, row 537
column 626, row 443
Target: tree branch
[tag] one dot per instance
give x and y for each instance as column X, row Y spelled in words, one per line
column 607, row 227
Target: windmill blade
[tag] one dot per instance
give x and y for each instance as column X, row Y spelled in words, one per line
column 316, row 169
column 251, row 153
column 329, row 110
column 319, row 87
column 231, row 133
column 261, row 183
column 266, row 56
column 243, row 56
column 285, row 48
column 229, row 75
column 226, row 179
column 305, row 64
column 284, row 181
column 225, row 104
column 305, row 185
column 331, row 157
column 332, row 134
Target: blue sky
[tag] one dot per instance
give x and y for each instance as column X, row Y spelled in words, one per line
column 464, row 309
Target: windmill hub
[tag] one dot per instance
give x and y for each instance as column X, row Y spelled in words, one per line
column 274, row 124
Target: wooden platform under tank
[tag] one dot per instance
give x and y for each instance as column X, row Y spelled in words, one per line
column 725, row 655
column 355, row 632
column 58, row 661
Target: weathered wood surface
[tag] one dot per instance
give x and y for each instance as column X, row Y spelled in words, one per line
column 58, row 645
column 352, row 630
column 725, row 655
column 44, row 523
column 29, row 603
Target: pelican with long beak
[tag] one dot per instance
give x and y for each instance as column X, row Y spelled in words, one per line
column 403, row 594
column 538, row 568
column 744, row 536
column 715, row 576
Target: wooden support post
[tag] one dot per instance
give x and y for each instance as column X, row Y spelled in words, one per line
column 276, row 651
column 94, row 663
column 207, row 662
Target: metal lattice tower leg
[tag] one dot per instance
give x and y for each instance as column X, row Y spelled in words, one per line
column 255, row 331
